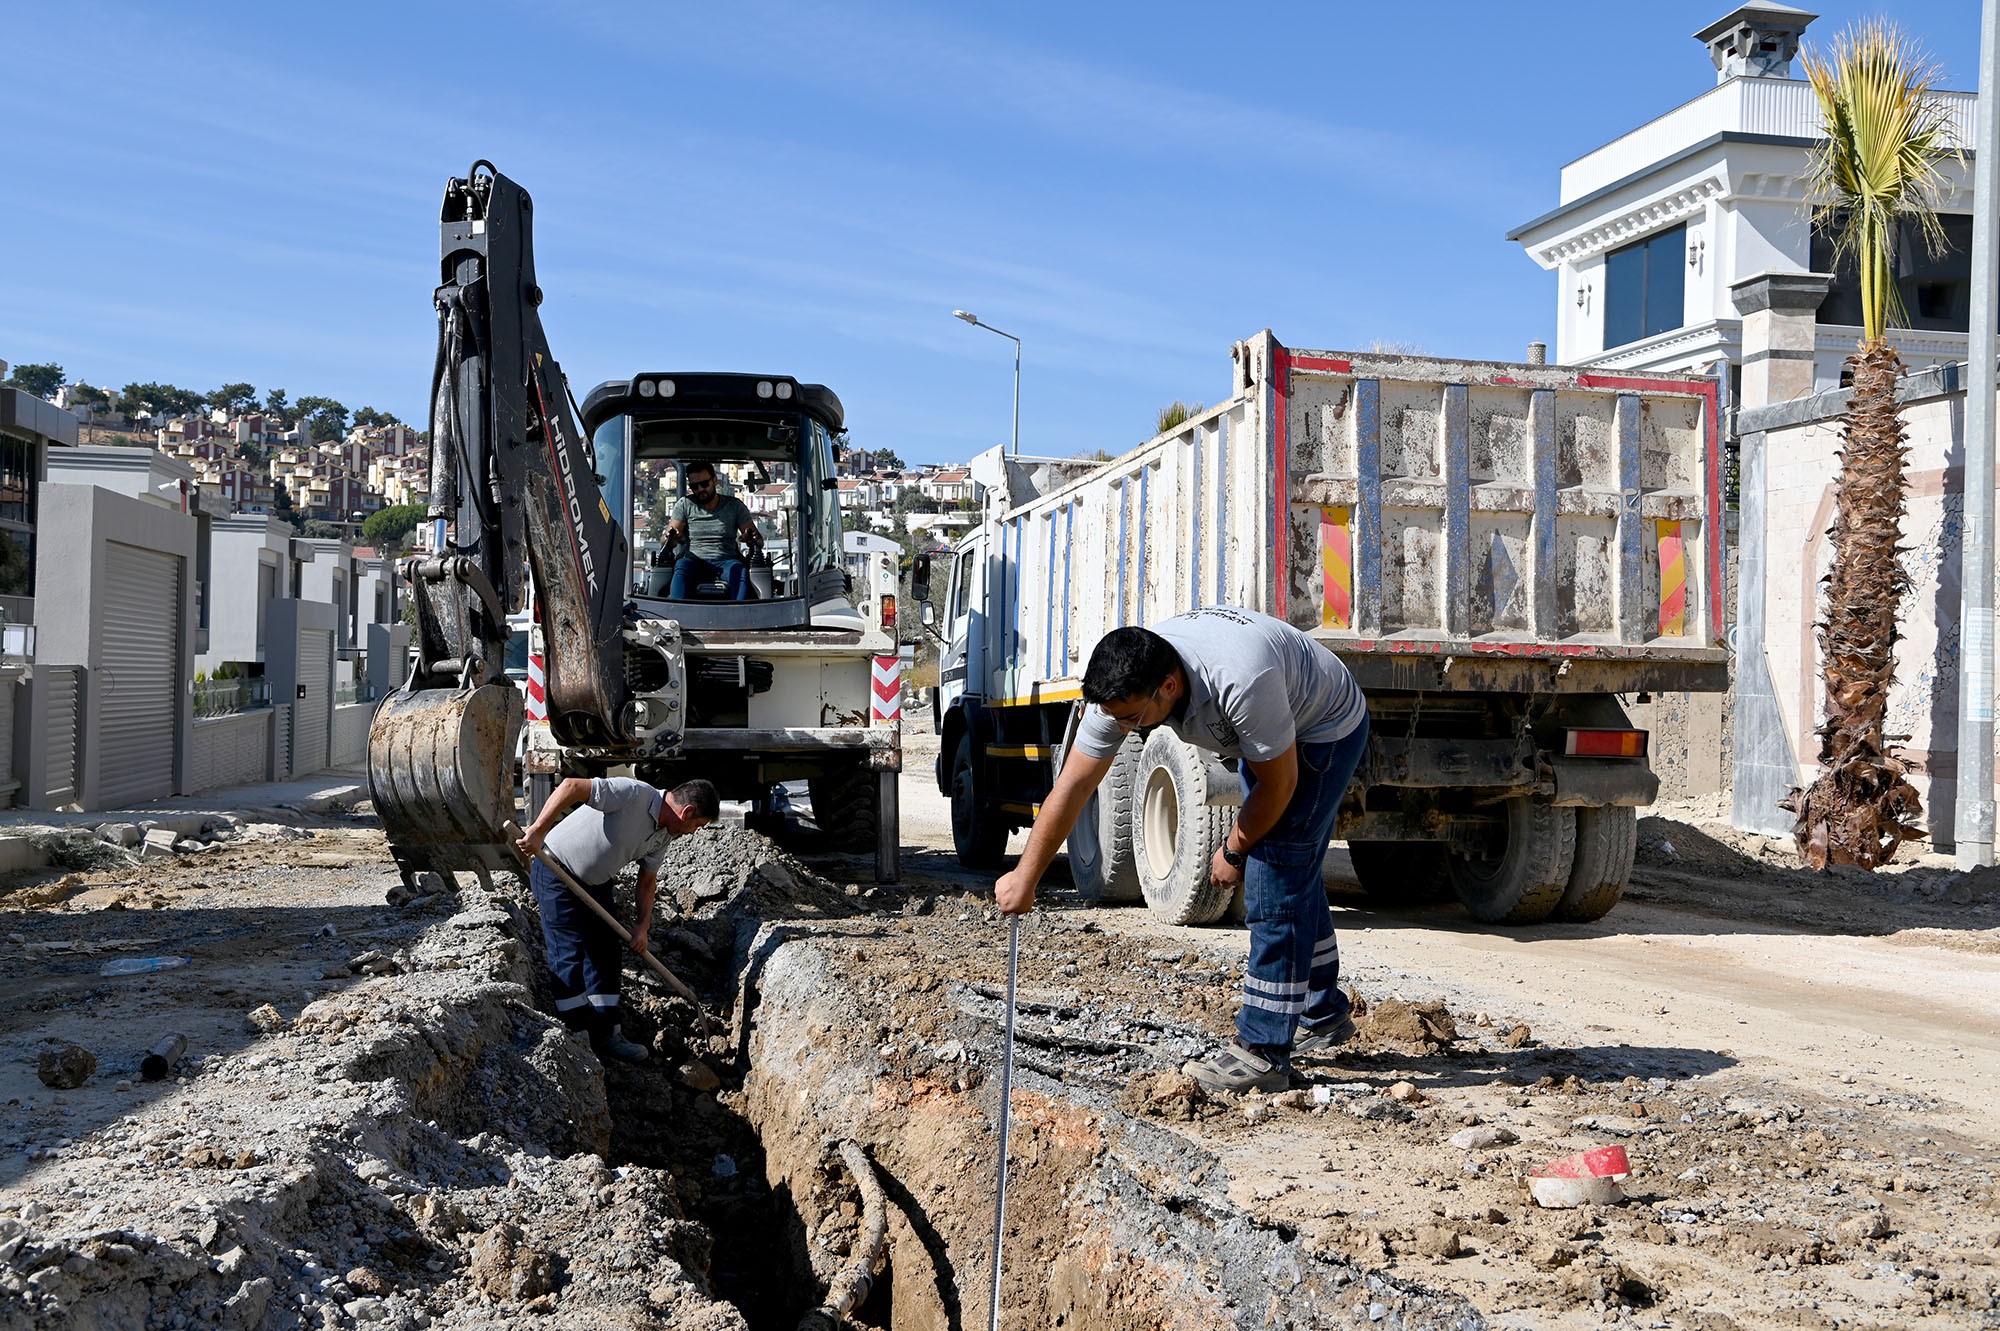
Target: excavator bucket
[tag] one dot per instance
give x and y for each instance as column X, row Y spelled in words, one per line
column 440, row 769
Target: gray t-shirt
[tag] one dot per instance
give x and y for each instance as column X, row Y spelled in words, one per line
column 620, row 824
column 1255, row 685
column 712, row 531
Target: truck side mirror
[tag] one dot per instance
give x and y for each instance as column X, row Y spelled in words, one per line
column 928, row 613
column 920, row 578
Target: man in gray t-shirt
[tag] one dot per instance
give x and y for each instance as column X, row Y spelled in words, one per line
column 711, row 524
column 1248, row 687
column 617, row 820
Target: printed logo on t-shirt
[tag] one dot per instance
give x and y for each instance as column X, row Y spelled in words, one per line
column 1225, row 734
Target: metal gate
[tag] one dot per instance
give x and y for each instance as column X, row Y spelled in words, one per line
column 312, row 714
column 138, row 676
column 59, row 692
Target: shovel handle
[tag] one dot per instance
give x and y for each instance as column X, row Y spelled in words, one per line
column 513, row 834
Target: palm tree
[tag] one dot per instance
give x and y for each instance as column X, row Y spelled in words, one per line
column 1876, row 175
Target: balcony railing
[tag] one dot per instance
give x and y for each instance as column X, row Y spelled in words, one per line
column 225, row 697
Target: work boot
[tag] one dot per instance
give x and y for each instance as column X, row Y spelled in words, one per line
column 1325, row 1037
column 1237, row 1067
column 613, row 1044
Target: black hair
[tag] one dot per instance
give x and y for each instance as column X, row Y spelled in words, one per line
column 699, row 799
column 699, row 464
column 1128, row 663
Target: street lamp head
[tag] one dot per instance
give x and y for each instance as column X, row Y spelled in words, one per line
column 966, row 315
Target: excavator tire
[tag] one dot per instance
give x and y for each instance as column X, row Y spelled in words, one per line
column 844, row 807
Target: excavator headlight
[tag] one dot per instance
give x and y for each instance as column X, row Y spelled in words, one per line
column 784, row 390
column 765, row 388
column 666, row 388
column 647, row 388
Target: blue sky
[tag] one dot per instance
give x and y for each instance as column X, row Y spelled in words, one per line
column 215, row 192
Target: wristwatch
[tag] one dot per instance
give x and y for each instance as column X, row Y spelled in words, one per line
column 1235, row 858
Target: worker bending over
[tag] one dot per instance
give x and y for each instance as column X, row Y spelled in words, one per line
column 620, row 820
column 1248, row 687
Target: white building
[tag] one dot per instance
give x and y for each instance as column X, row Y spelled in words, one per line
column 1666, row 238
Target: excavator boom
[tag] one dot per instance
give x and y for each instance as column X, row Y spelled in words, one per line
column 513, row 488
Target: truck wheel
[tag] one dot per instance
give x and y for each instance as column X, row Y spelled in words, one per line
column 980, row 841
column 1400, row 873
column 1176, row 832
column 843, row 803
column 1526, row 872
column 1102, row 862
column 1605, row 842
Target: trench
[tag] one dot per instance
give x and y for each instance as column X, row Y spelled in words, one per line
column 851, row 1025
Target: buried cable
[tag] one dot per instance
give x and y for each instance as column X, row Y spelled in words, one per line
column 849, row 1287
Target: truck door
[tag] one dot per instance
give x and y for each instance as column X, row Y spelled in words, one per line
column 963, row 661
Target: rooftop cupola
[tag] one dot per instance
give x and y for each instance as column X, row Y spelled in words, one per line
column 1756, row 41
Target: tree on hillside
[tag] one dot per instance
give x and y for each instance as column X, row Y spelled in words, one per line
column 368, row 416
column 1873, row 178
column 234, row 398
column 322, row 530
column 43, row 381
column 387, row 526
column 89, row 397
column 324, row 418
column 274, row 402
column 158, row 399
column 887, row 458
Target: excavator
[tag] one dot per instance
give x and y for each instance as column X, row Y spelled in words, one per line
column 751, row 685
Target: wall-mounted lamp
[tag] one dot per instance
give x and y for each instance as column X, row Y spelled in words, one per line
column 1694, row 251
column 1583, row 295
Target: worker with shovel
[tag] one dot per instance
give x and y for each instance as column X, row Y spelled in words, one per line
column 1248, row 687
column 617, row 820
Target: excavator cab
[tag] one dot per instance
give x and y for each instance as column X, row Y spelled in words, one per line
column 726, row 451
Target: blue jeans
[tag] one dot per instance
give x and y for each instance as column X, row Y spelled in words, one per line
column 585, row 958
column 692, row 570
column 1294, row 971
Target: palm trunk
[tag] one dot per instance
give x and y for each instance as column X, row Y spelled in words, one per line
column 1862, row 806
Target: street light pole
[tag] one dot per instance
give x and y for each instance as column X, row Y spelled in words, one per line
column 974, row 320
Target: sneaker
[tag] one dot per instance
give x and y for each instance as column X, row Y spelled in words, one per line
column 613, row 1044
column 1237, row 1067
column 1325, row 1037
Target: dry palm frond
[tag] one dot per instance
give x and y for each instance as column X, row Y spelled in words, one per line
column 1887, row 136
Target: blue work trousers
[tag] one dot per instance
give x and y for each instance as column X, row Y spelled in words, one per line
column 585, row 958
column 1294, row 971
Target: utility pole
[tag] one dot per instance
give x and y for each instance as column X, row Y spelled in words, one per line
column 1973, row 817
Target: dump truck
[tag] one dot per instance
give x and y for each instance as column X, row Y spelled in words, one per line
column 749, row 685
column 1499, row 553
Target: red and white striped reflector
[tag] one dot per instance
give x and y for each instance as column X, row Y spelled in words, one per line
column 1605, row 743
column 538, row 698
column 885, row 707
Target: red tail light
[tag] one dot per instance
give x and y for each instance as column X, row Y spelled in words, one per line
column 889, row 613
column 1605, row 744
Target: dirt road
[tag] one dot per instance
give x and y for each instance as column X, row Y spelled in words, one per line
column 1801, row 1068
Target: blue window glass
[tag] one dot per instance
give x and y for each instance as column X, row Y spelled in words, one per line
column 1645, row 288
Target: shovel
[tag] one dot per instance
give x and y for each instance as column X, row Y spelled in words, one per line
column 672, row 981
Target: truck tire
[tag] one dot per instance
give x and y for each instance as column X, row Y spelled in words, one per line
column 980, row 840
column 844, row 809
column 1176, row 832
column 1400, row 873
column 1606, row 840
column 1102, row 861
column 1523, row 882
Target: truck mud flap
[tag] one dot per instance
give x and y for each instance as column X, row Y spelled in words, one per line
column 1598, row 782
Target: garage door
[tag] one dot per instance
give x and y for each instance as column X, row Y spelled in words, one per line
column 312, row 713
column 139, row 683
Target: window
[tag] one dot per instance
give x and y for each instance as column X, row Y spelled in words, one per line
column 267, row 591
column 1936, row 289
column 1645, row 288
column 961, row 584
column 17, row 516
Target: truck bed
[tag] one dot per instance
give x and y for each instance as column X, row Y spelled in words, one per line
column 1441, row 525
